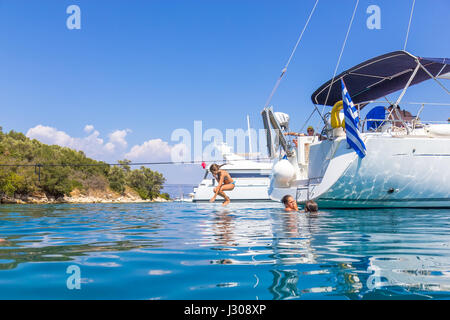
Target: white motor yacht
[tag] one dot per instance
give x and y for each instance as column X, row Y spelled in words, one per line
column 252, row 178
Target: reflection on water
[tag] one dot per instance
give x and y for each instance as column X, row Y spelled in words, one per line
column 57, row 233
column 205, row 251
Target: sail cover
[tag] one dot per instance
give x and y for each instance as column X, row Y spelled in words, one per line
column 379, row 77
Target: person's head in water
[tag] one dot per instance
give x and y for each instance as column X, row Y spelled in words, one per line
column 311, row 206
column 289, row 203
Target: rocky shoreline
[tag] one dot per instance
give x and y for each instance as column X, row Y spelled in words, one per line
column 77, row 197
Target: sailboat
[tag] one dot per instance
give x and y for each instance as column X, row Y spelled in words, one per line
column 406, row 161
column 251, row 176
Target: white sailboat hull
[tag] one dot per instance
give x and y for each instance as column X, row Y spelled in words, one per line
column 398, row 171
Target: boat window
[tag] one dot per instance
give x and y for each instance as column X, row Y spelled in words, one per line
column 250, row 175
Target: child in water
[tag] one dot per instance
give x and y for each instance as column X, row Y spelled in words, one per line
column 311, row 206
column 291, row 205
column 225, row 181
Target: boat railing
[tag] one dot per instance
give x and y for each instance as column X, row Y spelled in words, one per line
column 398, row 125
column 408, row 122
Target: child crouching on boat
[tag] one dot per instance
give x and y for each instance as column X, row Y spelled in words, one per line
column 225, row 183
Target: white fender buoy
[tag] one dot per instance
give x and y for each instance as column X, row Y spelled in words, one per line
column 438, row 130
column 283, row 172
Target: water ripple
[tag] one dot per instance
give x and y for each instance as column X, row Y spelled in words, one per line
column 205, row 251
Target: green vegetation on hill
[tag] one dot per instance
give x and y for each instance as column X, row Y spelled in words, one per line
column 59, row 175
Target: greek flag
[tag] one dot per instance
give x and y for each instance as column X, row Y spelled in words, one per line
column 351, row 123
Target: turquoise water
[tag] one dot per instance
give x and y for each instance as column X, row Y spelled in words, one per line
column 203, row 251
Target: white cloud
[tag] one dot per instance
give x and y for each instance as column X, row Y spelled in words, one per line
column 50, row 135
column 92, row 145
column 153, row 150
column 157, row 150
column 118, row 137
column 110, row 147
column 116, row 147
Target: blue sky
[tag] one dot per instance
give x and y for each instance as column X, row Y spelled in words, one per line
column 137, row 70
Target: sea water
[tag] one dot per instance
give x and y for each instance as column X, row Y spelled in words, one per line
column 181, row 250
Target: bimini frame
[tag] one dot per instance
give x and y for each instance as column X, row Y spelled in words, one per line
column 369, row 79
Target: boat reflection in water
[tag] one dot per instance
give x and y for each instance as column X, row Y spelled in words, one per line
column 327, row 254
column 64, row 233
column 281, row 240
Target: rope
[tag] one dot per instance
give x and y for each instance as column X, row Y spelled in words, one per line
column 41, row 165
column 409, row 25
column 283, row 72
column 314, row 110
column 340, row 54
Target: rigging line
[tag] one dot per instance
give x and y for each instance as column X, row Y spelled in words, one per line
column 338, row 62
column 283, row 72
column 301, row 35
column 434, row 78
column 409, row 24
column 314, row 110
column 42, row 165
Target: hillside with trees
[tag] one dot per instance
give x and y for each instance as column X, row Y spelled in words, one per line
column 59, row 173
